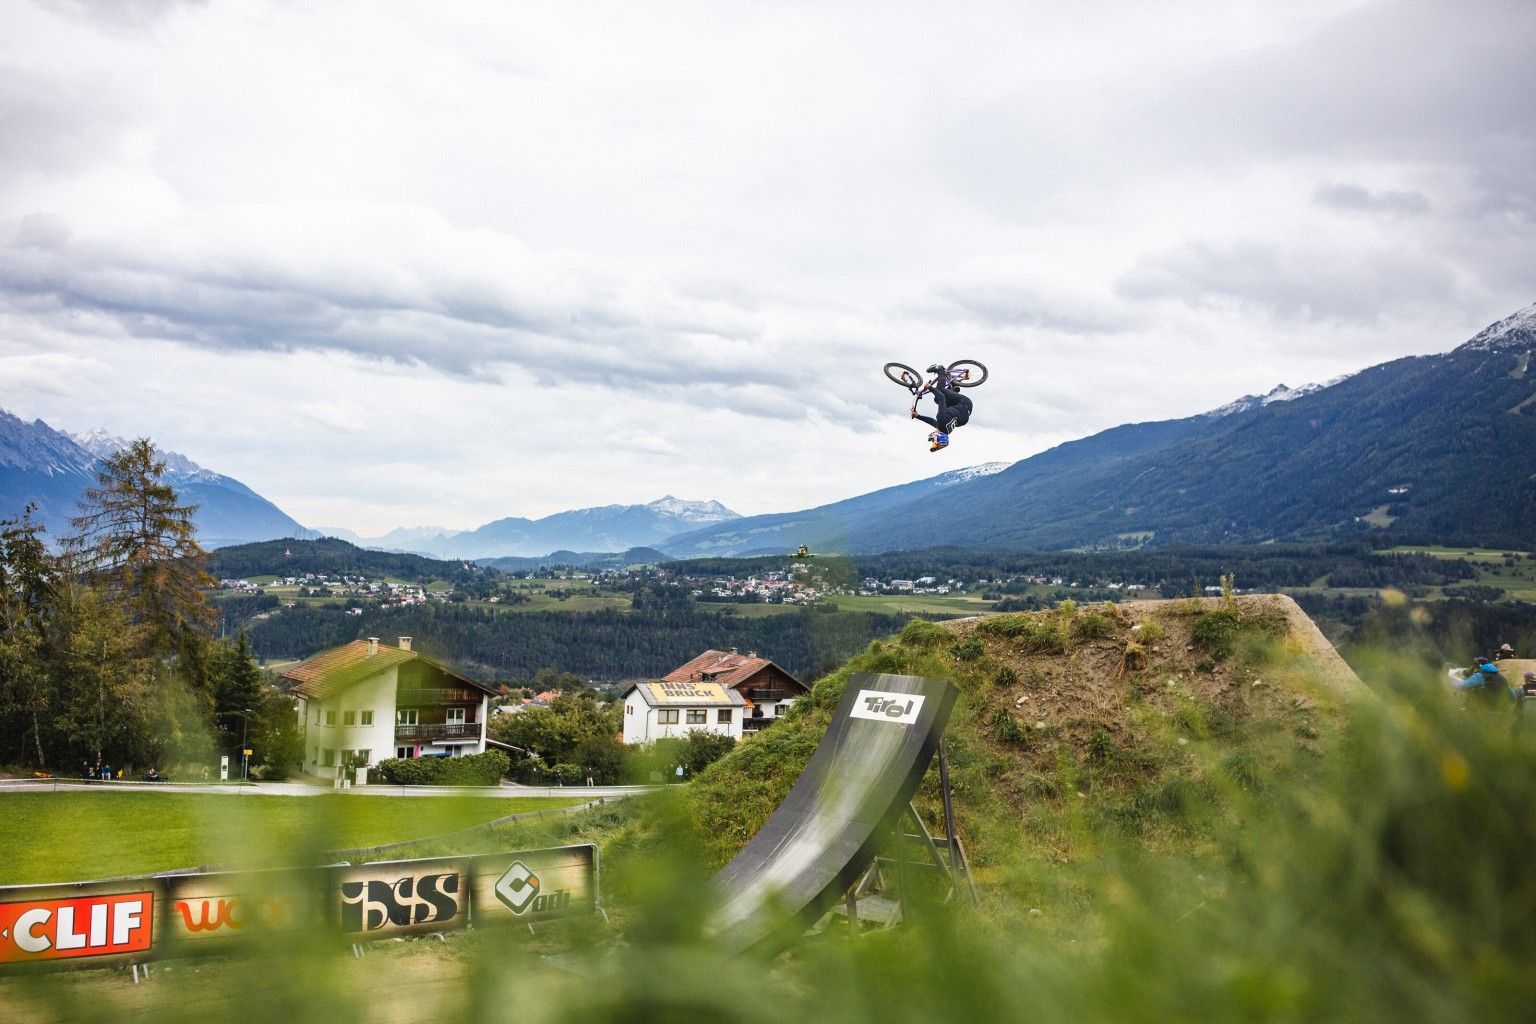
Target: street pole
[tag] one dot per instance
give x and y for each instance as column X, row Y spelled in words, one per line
column 245, row 749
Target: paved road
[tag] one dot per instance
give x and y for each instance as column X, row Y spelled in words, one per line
column 506, row 789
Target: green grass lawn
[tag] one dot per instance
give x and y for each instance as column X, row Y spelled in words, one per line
column 65, row 837
column 1470, row 554
column 912, row 604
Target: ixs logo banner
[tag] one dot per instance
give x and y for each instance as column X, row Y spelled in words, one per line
column 518, row 889
column 63, row 929
column 420, row 902
column 887, row 707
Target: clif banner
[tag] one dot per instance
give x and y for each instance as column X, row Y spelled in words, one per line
column 107, row 922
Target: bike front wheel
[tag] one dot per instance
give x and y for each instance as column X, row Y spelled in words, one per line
column 967, row 373
column 901, row 373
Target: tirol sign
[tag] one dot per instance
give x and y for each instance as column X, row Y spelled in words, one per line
column 140, row 919
column 887, row 707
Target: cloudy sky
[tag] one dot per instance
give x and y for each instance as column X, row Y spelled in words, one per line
column 426, row 263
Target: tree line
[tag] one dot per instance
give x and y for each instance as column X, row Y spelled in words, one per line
column 663, row 629
column 108, row 647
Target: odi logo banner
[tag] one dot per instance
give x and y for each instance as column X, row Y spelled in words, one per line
column 881, row 706
column 534, row 885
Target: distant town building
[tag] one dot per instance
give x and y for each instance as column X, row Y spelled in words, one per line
column 361, row 703
column 663, row 710
column 765, row 687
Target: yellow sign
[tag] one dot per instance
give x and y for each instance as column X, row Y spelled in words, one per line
column 688, row 693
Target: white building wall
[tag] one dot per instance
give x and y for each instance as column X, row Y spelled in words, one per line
column 375, row 694
column 642, row 723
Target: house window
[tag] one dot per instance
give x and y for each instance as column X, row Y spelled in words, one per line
column 405, row 716
column 330, row 718
column 455, row 716
column 667, row 716
column 723, row 717
column 404, row 752
column 328, row 758
column 695, row 716
column 349, row 718
column 364, row 756
column 367, row 717
column 629, row 709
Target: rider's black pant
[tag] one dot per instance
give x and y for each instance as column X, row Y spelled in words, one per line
column 954, row 410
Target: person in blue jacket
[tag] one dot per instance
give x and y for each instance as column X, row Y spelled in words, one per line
column 1488, row 683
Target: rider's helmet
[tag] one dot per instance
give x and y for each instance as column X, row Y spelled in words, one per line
column 1488, row 668
column 937, row 440
column 938, row 368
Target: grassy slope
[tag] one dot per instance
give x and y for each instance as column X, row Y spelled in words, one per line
column 1063, row 747
column 61, row 837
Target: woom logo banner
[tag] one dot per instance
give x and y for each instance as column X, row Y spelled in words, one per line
column 534, row 886
column 87, row 922
column 215, row 908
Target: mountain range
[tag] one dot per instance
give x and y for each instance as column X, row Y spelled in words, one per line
column 608, row 528
column 51, row 469
column 1430, row 448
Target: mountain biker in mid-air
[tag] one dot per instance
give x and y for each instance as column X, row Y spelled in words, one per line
column 953, row 410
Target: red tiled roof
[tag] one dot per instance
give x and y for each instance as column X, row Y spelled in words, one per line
column 724, row 667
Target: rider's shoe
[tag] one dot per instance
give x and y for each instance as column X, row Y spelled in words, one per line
column 937, row 441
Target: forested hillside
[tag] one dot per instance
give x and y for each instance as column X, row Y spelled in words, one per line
column 663, row 630
column 331, row 556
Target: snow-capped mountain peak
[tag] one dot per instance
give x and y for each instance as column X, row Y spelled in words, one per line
column 104, row 445
column 1518, row 330
column 700, row 512
column 1279, row 393
column 960, row 476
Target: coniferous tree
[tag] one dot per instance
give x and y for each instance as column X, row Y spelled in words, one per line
column 30, row 581
column 135, row 538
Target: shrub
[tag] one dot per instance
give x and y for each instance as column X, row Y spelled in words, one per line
column 968, row 650
column 1217, row 631
column 923, row 634
column 1092, row 626
column 476, row 770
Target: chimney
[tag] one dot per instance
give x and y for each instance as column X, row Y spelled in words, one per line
column 735, row 650
column 373, row 646
column 751, row 654
column 405, row 643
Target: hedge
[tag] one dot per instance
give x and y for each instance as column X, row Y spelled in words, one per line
column 476, row 770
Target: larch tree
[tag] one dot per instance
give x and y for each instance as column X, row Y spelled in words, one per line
column 136, row 539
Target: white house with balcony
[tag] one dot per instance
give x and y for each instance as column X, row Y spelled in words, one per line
column 363, row 702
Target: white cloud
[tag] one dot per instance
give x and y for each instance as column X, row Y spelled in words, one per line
column 526, row 259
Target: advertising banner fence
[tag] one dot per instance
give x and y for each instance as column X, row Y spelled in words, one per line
column 135, row 920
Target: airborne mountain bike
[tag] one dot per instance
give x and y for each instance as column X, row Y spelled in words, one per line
column 962, row 373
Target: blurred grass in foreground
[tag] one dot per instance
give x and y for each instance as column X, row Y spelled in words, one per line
column 1394, row 882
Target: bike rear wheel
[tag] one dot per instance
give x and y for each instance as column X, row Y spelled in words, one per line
column 975, row 373
column 901, row 373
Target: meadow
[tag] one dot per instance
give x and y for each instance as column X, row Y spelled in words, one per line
column 72, row 836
